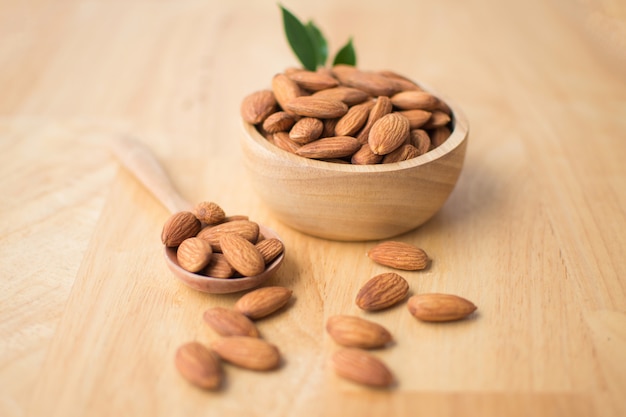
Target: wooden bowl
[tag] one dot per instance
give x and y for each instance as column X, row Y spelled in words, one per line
column 354, row 202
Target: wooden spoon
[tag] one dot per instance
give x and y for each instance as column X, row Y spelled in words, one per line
column 143, row 165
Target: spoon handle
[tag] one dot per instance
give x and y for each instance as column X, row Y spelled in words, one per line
column 142, row 163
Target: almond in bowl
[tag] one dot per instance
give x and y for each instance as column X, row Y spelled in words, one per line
column 389, row 153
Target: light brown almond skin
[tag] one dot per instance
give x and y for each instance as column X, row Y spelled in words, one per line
column 328, row 148
column 352, row 331
column 178, row 227
column 399, row 255
column 218, row 267
column 321, row 108
column 353, row 120
column 417, row 118
column 365, row 156
column 439, row 307
column 350, row 96
column 270, row 249
column 244, row 228
column 263, row 301
column 242, row 255
column 209, row 212
column 409, row 100
column 284, row 142
column 306, row 130
column 313, row 81
column 381, row 107
column 194, row 254
column 198, row 365
column 402, row 82
column 280, row 121
column 362, row 367
column 388, row 133
column 227, row 322
column 285, row 90
column 403, row 153
column 382, row 291
column 257, row 106
column 420, row 139
column 248, row 352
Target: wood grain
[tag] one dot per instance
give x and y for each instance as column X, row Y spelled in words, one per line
column 533, row 233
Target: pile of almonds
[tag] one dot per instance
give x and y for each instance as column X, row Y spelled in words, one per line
column 212, row 244
column 240, row 342
column 346, row 115
column 385, row 290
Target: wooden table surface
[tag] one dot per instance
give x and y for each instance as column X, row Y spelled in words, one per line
column 534, row 233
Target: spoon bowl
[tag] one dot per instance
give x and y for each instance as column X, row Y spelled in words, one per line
column 223, row 285
column 140, row 161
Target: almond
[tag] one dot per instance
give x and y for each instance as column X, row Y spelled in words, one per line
column 285, row 90
column 284, row 142
column 365, row 156
column 381, row 107
column 417, row 118
column 420, row 139
column 270, row 249
column 329, row 127
column 209, row 212
column 350, row 96
column 333, row 147
column 257, row 106
column 306, row 130
column 247, row 352
column 402, row 82
column 408, row 100
column 178, row 227
column 388, row 133
column 320, row 108
column 371, row 82
column 352, row 331
column 313, row 81
column 244, row 228
column 362, row 367
column 263, row 301
column 218, row 267
column 403, row 153
column 438, row 136
column 227, row 322
column 440, row 307
column 437, row 119
column 198, row 365
column 354, row 119
column 280, row 121
column 242, row 255
column 399, row 255
column 382, row 291
column 194, row 254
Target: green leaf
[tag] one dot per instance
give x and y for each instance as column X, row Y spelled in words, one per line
column 321, row 46
column 346, row 55
column 299, row 40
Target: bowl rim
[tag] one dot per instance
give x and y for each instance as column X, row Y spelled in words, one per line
column 458, row 135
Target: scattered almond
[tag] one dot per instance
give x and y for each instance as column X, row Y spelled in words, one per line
column 198, row 365
column 227, row 322
column 399, row 255
column 382, row 291
column 352, row 331
column 178, row 227
column 263, row 301
column 247, row 352
column 362, row 367
column 439, row 307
